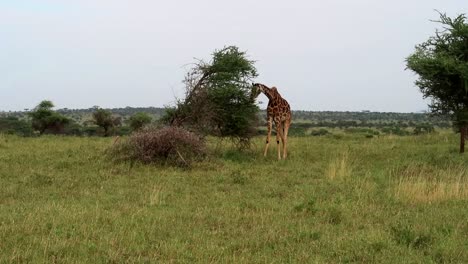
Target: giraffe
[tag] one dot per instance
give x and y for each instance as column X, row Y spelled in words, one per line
column 278, row 111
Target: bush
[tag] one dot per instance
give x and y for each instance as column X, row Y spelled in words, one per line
column 320, row 132
column 90, row 131
column 424, row 128
column 13, row 125
column 73, row 128
column 297, row 132
column 169, row 145
column 395, row 131
column 362, row 130
column 139, row 120
column 122, row 131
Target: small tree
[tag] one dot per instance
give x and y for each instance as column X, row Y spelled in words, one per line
column 139, row 120
column 217, row 99
column 442, row 65
column 103, row 118
column 45, row 119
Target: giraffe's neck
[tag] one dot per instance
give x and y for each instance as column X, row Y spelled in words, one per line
column 268, row 92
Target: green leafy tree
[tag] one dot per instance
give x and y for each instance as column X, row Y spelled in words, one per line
column 442, row 66
column 139, row 120
column 44, row 119
column 104, row 119
column 218, row 99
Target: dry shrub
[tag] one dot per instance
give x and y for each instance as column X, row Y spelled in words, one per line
column 169, row 145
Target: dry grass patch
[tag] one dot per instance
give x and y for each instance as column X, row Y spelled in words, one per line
column 340, row 167
column 423, row 184
column 157, row 196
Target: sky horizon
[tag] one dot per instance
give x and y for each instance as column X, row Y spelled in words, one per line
column 333, row 56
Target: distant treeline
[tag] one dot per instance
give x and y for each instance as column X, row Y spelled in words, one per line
column 126, row 111
column 370, row 117
column 304, row 122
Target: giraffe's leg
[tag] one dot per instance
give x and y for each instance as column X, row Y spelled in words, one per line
column 279, row 135
column 285, row 139
column 269, row 124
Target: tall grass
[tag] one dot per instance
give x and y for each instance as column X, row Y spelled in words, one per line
column 339, row 167
column 334, row 200
column 428, row 184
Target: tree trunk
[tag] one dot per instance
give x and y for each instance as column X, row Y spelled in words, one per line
column 463, row 135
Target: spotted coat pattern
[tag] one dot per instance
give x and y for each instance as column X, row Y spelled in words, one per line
column 279, row 112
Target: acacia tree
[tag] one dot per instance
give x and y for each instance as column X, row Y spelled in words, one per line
column 441, row 64
column 103, row 118
column 217, row 97
column 45, row 119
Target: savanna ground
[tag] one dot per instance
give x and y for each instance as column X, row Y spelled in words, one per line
column 345, row 198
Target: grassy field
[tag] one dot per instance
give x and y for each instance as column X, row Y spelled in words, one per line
column 336, row 199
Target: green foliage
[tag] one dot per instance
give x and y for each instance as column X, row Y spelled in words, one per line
column 304, row 120
column 319, row 132
column 441, row 64
column 46, row 104
column 297, row 131
column 218, row 97
column 230, row 66
column 123, row 130
column 73, row 129
column 170, row 114
column 90, row 130
column 44, row 119
column 235, row 115
column 104, row 119
column 139, row 120
column 395, row 131
column 13, row 125
column 361, row 130
column 424, row 128
column 228, row 91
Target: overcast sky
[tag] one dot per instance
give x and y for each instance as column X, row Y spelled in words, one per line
column 322, row 55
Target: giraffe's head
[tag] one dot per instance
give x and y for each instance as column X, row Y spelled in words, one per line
column 258, row 88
